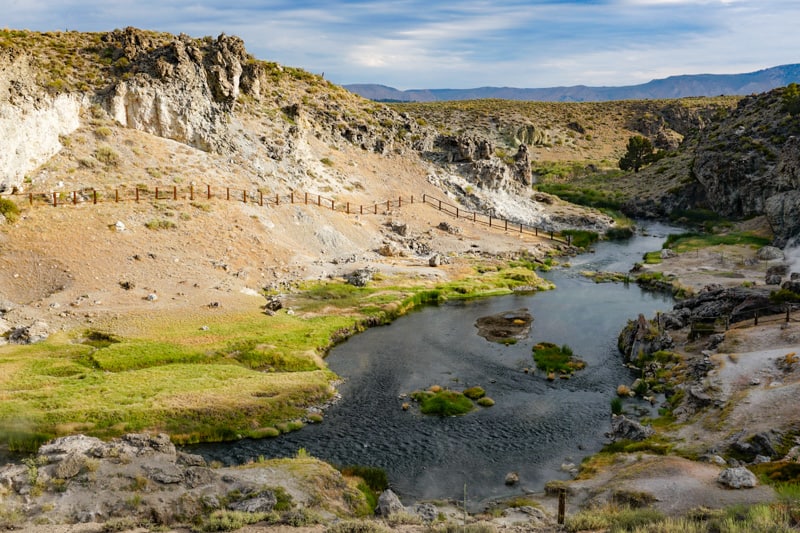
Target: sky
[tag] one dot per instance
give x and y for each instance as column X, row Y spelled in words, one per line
column 429, row 44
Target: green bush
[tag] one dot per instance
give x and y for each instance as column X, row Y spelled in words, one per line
column 375, row 478
column 791, row 99
column 616, row 405
column 552, row 358
column 444, row 403
column 9, row 210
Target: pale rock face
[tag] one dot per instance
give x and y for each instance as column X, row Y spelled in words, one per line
column 31, row 131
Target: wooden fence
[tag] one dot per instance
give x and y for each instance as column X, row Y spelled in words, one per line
column 207, row 192
column 707, row 326
column 493, row 222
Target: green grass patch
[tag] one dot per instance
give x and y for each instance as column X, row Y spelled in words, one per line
column 443, row 403
column 686, row 242
column 210, row 376
column 583, row 195
column 581, row 238
column 652, row 258
column 550, row 357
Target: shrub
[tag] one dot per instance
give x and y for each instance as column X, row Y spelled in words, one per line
column 444, row 403
column 9, row 210
column 159, row 224
column 616, row 405
column 791, row 99
column 357, row 526
column 485, row 402
column 230, row 520
column 552, row 358
column 375, row 478
column 107, row 156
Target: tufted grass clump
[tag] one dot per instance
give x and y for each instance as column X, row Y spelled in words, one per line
column 9, row 210
column 231, row 520
column 553, row 358
column 474, row 393
column 443, row 403
column 485, row 402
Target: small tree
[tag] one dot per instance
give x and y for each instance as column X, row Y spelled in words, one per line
column 791, row 99
column 639, row 153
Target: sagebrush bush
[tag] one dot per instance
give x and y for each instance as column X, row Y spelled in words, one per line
column 9, row 210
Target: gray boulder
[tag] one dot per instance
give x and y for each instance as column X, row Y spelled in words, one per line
column 769, row 253
column 623, row 428
column 264, row 503
column 389, row 503
column 737, row 478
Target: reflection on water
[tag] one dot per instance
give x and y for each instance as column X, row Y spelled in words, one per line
column 535, row 425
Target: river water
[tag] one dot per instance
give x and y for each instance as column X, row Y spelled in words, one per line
column 534, row 427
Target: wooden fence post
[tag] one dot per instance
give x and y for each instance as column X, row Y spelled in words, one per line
column 137, row 194
column 55, row 199
column 347, row 209
column 755, row 318
column 174, row 192
column 412, row 198
column 376, row 208
column 400, row 202
column 292, row 196
column 490, row 221
column 562, row 505
column 306, row 199
column 361, row 210
column 191, row 192
column 506, row 222
column 333, row 207
column 277, row 199
column 30, row 197
column 388, row 205
column 440, row 205
column 261, row 198
column 227, row 193
column 94, row 196
column 156, row 193
column 208, row 192
column 244, row 196
column 457, row 212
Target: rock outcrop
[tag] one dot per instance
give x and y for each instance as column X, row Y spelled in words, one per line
column 143, row 479
column 31, row 119
column 182, row 90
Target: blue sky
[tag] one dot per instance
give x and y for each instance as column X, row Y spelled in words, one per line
column 413, row 44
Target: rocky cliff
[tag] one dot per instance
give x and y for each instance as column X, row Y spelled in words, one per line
column 31, row 119
column 209, row 94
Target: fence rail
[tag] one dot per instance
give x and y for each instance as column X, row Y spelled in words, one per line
column 492, row 221
column 207, row 192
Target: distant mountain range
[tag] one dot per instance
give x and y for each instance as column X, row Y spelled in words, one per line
column 671, row 87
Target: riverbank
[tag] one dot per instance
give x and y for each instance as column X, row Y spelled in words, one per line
column 663, row 474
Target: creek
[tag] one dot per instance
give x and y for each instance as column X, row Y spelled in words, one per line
column 535, row 426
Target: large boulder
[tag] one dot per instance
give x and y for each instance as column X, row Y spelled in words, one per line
column 737, row 478
column 623, row 428
column 389, row 504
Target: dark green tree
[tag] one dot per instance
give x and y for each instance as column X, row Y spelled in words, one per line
column 639, row 153
column 791, row 99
